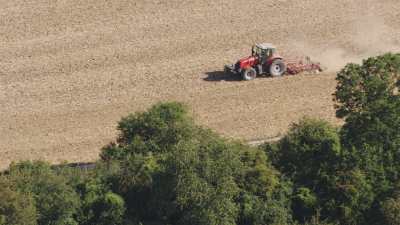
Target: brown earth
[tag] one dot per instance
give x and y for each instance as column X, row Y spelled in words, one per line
column 70, row 69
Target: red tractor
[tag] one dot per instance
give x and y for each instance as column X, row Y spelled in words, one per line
column 265, row 60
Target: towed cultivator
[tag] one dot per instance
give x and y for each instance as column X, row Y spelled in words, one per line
column 265, row 60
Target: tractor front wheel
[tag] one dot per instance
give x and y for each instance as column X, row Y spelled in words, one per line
column 277, row 68
column 249, row 74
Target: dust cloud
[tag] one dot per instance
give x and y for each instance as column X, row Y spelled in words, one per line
column 370, row 36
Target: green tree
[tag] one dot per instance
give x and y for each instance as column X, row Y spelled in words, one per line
column 15, row 208
column 391, row 210
column 56, row 201
column 309, row 153
column 312, row 157
column 174, row 172
column 156, row 130
column 205, row 182
column 108, row 209
column 264, row 196
column 351, row 197
column 359, row 86
column 305, row 203
column 98, row 204
column 367, row 97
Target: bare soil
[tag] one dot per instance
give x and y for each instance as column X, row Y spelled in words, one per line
column 70, row 69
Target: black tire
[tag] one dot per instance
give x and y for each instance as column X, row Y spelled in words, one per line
column 249, row 74
column 277, row 68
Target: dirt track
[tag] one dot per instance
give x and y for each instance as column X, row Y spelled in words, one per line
column 69, row 69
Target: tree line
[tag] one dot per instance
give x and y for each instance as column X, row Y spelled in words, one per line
column 164, row 169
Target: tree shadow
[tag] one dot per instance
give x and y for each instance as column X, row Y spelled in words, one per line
column 79, row 165
column 216, row 76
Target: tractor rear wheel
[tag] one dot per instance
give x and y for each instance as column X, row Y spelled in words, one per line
column 249, row 74
column 277, row 68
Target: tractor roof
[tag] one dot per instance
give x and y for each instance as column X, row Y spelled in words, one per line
column 265, row 45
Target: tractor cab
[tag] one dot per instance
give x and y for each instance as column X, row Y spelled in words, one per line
column 263, row 51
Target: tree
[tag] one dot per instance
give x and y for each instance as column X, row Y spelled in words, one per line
column 359, row 86
column 391, row 210
column 108, row 209
column 157, row 130
column 264, row 195
column 98, row 204
column 351, row 197
column 309, row 153
column 56, row 202
column 367, row 97
column 205, row 183
column 305, row 204
column 15, row 208
column 312, row 157
column 174, row 172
